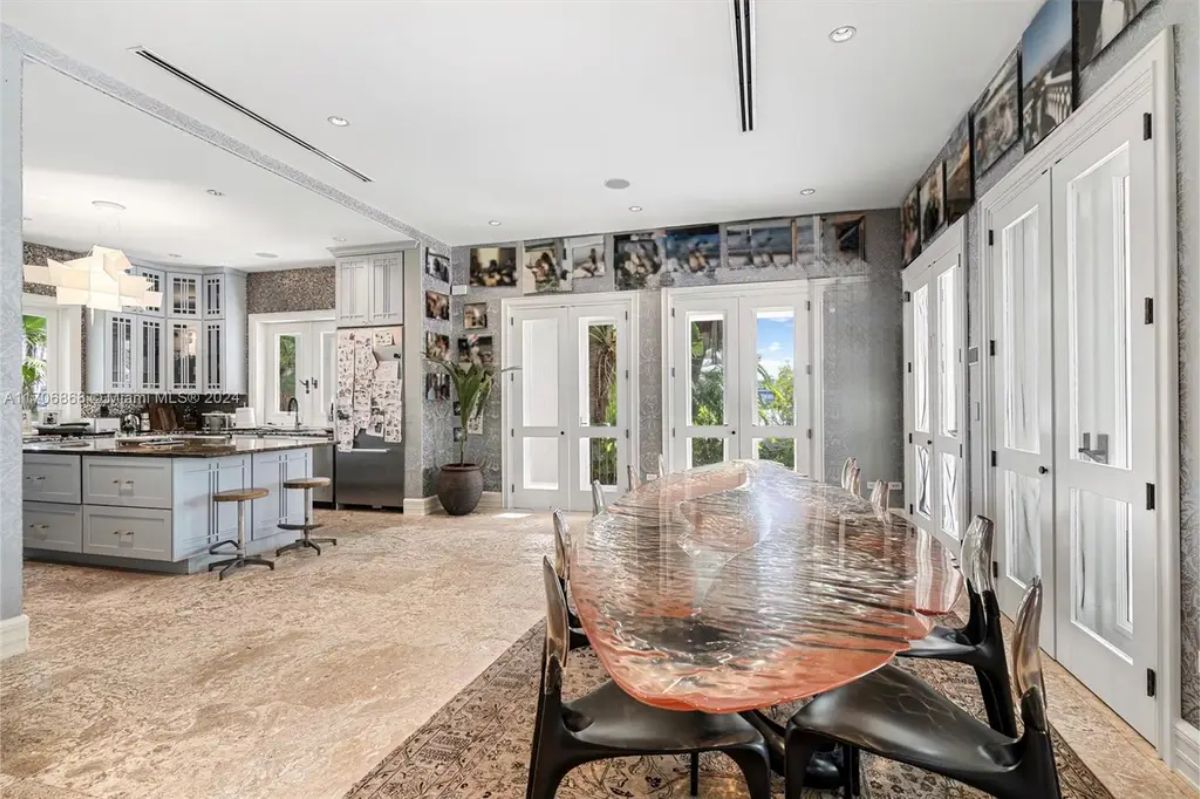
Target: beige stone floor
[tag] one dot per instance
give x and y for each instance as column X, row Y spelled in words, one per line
column 295, row 683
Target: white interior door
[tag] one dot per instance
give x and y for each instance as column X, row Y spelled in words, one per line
column 599, row 430
column 301, row 357
column 704, row 372
column 539, row 407
column 1105, row 399
column 1023, row 412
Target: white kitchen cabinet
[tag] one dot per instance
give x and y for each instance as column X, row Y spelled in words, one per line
column 353, row 292
column 50, row 478
column 120, row 351
column 183, row 356
column 143, row 533
column 128, row 481
column 151, row 353
column 214, row 295
column 199, row 521
column 158, row 282
column 370, row 288
column 53, row 526
column 183, row 294
column 387, row 289
column 282, row 505
column 214, row 356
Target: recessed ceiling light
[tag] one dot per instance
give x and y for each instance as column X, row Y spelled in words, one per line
column 635, row 208
column 108, row 205
column 494, row 222
column 174, row 255
column 843, row 33
column 338, row 122
column 616, row 183
column 266, row 255
column 339, row 238
column 214, row 192
column 807, row 192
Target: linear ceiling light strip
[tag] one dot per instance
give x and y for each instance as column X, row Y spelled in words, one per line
column 241, row 109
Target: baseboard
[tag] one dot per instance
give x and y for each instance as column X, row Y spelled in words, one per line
column 14, row 636
column 489, row 501
column 1187, row 751
column 428, row 506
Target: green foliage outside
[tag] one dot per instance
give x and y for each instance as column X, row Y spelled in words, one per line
column 33, row 364
column 287, row 371
column 602, row 400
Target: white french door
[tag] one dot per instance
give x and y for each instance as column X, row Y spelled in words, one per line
column 569, row 400
column 300, row 360
column 739, row 379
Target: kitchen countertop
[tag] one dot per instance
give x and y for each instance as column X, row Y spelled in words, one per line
column 180, row 447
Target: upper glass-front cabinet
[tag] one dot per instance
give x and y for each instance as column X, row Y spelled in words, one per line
column 121, row 370
column 214, row 296
column 183, row 296
column 185, row 356
column 158, row 282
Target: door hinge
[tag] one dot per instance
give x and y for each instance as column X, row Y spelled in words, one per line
column 512, row 433
column 511, row 321
column 1149, row 310
column 991, row 238
column 993, row 459
column 626, row 374
column 627, row 316
column 996, row 569
column 1151, row 677
column 908, row 296
column 672, row 371
column 672, row 313
column 810, row 433
column 992, row 347
column 910, row 367
column 1147, row 134
column 672, row 432
column 910, row 438
column 960, row 450
column 808, row 368
column 1149, row 496
column 808, row 305
column 626, row 432
column 910, row 509
column 512, row 488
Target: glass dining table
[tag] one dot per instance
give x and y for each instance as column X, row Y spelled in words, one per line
column 742, row 586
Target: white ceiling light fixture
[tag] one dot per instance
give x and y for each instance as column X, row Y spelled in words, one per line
column 338, row 122
column 635, row 208
column 494, row 222
column 99, row 280
column 842, row 33
column 108, row 205
column 616, row 183
column 266, row 255
column 807, row 192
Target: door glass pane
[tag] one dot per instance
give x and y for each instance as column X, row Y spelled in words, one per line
column 1101, row 563
column 924, row 483
column 598, row 461
column 775, row 337
column 950, row 494
column 1022, row 511
column 706, row 363
column 539, row 373
column 780, row 450
column 948, row 351
column 540, row 464
column 705, row 451
column 921, row 358
column 1098, row 294
column 35, row 362
column 600, row 378
column 1019, row 344
column 287, row 371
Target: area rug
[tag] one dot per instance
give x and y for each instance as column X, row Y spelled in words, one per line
column 477, row 746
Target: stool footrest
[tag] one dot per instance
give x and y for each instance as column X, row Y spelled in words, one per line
column 290, row 526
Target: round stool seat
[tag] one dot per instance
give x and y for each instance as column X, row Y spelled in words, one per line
column 240, row 494
column 306, row 482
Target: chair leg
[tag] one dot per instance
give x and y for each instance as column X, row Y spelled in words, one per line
column 755, row 763
column 694, row 774
column 997, row 695
column 544, row 780
column 798, row 751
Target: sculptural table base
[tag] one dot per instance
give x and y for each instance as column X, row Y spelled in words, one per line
column 824, row 770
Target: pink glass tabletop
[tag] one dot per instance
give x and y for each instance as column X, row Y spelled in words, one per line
column 743, row 585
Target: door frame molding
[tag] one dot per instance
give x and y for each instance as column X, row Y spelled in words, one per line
column 507, row 304
column 1149, row 73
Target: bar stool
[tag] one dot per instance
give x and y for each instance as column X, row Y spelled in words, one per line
column 241, row 496
column 307, row 484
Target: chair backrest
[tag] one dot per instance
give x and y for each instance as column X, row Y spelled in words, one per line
column 975, row 556
column 879, row 497
column 854, row 480
column 847, row 466
column 557, row 631
column 662, row 465
column 597, row 498
column 562, row 565
column 634, row 482
column 1027, row 659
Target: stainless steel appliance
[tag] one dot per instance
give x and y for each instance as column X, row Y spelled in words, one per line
column 217, row 422
column 368, row 417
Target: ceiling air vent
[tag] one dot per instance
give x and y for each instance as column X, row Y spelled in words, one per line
column 241, row 109
column 742, row 18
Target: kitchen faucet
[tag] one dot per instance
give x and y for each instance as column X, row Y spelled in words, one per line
column 293, row 406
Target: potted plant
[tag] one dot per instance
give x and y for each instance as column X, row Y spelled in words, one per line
column 459, row 485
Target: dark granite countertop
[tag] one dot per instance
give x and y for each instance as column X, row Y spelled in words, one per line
column 177, row 447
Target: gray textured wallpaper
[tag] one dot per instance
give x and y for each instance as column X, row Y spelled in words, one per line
column 310, row 289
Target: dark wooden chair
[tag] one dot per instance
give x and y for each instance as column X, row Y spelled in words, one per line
column 562, row 569
column 608, row 722
column 896, row 715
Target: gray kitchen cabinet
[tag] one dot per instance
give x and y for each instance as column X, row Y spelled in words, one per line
column 199, row 521
column 52, row 525
column 126, row 481
column 370, row 287
column 50, row 478
column 143, row 533
column 183, row 294
column 281, row 505
column 213, row 290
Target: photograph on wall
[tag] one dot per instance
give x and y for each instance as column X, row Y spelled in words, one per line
column 437, row 266
column 475, row 424
column 585, row 256
column 475, row 316
column 459, row 434
column 1048, row 85
column 638, row 261
column 493, row 267
column 437, row 386
column 998, row 115
column 960, row 180
column 693, row 249
column 759, row 244
column 910, row 226
column 1100, row 21
column 543, row 270
column 475, row 349
column 933, row 209
column 844, row 237
column 437, row 346
column 807, row 237
column 437, row 306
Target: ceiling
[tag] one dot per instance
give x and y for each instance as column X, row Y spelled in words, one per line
column 473, row 111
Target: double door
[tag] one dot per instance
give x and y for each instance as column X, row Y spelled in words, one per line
column 1073, row 399
column 569, row 401
column 739, row 376
column 301, row 358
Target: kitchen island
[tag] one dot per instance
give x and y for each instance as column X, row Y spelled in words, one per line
column 146, row 502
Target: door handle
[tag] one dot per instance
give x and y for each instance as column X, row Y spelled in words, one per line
column 1043, row 470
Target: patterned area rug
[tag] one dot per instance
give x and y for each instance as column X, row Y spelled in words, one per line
column 477, row 746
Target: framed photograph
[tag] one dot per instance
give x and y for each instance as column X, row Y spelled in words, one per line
column 476, row 349
column 459, row 434
column 437, row 306
column 475, row 425
column 844, row 237
column 493, row 267
column 910, row 226
column 933, row 197
column 437, row 266
column 960, row 176
column 543, row 270
column 437, row 386
column 475, row 316
column 1101, row 21
column 998, row 114
column 585, row 256
column 807, row 237
column 693, row 249
column 759, row 244
column 437, row 346
column 638, row 261
column 1048, row 84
